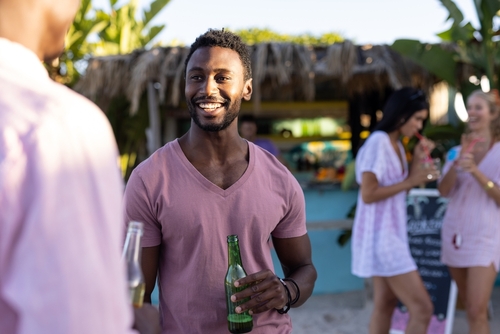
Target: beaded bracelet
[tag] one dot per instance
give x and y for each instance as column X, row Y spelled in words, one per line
column 286, row 308
column 297, row 296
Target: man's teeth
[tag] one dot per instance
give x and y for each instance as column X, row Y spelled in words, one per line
column 472, row 119
column 209, row 105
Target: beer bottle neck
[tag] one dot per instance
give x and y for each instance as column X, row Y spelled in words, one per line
column 132, row 250
column 234, row 256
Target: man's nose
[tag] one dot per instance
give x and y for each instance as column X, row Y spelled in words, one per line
column 210, row 87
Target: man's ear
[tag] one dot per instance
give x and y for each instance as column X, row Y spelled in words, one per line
column 247, row 90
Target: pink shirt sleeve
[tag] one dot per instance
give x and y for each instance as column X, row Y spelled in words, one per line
column 293, row 223
column 139, row 207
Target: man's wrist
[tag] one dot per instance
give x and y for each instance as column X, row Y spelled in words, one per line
column 296, row 298
column 285, row 308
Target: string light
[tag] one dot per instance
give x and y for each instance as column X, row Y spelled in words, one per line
column 460, row 108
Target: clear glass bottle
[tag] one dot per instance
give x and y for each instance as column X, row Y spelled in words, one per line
column 132, row 255
column 243, row 322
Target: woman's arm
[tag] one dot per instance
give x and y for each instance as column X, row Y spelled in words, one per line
column 372, row 192
column 468, row 165
column 491, row 189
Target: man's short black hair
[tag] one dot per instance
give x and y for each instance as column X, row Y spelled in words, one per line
column 224, row 39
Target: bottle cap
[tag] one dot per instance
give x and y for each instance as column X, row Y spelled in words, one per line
column 136, row 226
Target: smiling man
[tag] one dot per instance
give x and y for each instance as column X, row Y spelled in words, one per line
column 210, row 183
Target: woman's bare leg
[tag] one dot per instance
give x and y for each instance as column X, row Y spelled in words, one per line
column 459, row 275
column 480, row 282
column 384, row 302
column 410, row 290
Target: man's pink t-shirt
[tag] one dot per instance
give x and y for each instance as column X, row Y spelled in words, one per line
column 190, row 217
column 61, row 219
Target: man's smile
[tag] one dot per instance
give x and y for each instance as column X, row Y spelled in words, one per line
column 209, row 107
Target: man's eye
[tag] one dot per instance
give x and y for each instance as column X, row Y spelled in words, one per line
column 195, row 77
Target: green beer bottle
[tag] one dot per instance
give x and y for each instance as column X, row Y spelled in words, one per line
column 243, row 322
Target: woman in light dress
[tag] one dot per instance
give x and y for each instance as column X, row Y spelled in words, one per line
column 471, row 226
column 380, row 242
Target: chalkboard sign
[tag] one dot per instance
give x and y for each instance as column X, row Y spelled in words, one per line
column 425, row 216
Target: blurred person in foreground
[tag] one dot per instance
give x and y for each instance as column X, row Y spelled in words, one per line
column 61, row 230
column 471, row 230
column 379, row 241
column 198, row 189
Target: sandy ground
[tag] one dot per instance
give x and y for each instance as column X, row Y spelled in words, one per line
column 349, row 313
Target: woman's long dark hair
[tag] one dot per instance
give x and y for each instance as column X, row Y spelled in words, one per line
column 400, row 106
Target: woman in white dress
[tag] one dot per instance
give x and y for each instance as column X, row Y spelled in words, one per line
column 380, row 243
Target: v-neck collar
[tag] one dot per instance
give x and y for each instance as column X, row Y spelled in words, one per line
column 402, row 163
column 491, row 149
column 207, row 183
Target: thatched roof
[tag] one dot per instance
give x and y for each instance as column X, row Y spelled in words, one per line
column 281, row 72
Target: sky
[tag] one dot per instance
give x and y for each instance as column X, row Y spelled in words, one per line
column 362, row 21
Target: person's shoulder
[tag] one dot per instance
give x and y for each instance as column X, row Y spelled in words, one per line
column 20, row 104
column 269, row 164
column 374, row 140
column 263, row 156
column 16, row 97
column 36, row 100
column 377, row 136
column 157, row 162
column 74, row 101
column 496, row 147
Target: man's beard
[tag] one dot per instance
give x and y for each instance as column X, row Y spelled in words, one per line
column 231, row 112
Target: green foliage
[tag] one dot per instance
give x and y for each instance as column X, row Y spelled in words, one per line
column 344, row 237
column 478, row 47
column 77, row 45
column 454, row 13
column 129, row 131
column 255, row 35
column 457, row 33
column 99, row 33
column 124, row 32
column 435, row 59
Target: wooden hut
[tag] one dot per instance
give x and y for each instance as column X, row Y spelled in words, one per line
column 342, row 80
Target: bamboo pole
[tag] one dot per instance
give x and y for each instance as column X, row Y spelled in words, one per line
column 153, row 133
